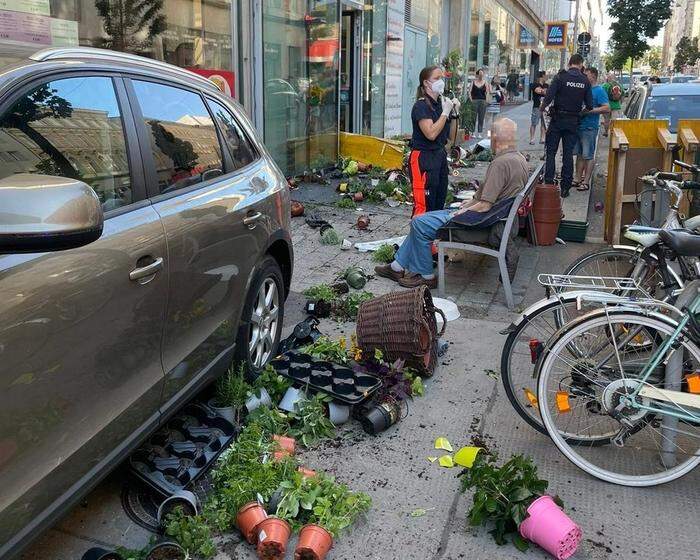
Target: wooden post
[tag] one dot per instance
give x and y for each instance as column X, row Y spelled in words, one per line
column 689, row 141
column 620, row 144
column 668, row 143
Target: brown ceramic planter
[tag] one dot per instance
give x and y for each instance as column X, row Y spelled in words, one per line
column 314, row 543
column 273, row 535
column 306, row 473
column 248, row 519
column 285, row 443
column 363, row 222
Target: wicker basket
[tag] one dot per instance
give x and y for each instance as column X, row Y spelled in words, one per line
column 402, row 325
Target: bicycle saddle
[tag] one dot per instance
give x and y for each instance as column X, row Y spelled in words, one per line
column 644, row 235
column 682, row 242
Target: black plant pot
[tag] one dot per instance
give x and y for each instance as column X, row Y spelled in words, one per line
column 381, row 416
column 97, row 553
column 319, row 309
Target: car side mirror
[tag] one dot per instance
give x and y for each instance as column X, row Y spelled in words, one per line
column 40, row 213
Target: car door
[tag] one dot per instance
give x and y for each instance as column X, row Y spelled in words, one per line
column 81, row 329
column 210, row 208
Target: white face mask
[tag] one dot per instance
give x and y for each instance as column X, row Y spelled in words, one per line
column 438, row 86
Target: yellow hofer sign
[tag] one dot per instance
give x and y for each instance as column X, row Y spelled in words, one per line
column 556, row 34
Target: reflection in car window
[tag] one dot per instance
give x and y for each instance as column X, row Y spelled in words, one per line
column 183, row 137
column 239, row 146
column 69, row 128
column 672, row 108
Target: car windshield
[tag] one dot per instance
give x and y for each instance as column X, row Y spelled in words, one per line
column 682, row 79
column 672, row 108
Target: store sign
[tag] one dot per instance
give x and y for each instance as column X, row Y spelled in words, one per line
column 525, row 38
column 395, row 29
column 223, row 79
column 37, row 7
column 64, row 32
column 25, row 28
column 556, row 34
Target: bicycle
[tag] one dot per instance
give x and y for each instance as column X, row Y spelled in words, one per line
column 631, row 374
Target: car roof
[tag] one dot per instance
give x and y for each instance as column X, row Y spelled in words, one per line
column 687, row 88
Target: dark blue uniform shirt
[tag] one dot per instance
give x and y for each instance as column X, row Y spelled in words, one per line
column 570, row 91
column 426, row 108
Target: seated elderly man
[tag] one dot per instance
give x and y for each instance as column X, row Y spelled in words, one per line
column 505, row 177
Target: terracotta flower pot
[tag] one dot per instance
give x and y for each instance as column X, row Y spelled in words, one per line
column 248, row 519
column 281, row 455
column 358, row 197
column 273, row 535
column 297, row 209
column 285, row 443
column 363, row 222
column 306, row 473
column 314, row 543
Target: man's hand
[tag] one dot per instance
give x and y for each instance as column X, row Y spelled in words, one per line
column 446, row 106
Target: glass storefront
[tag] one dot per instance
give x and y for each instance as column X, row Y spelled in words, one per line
column 374, row 67
column 300, row 82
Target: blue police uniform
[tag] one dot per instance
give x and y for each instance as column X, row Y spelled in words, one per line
column 569, row 92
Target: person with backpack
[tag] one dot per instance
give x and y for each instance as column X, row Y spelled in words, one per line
column 615, row 93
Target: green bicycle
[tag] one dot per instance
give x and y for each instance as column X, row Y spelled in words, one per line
column 630, row 373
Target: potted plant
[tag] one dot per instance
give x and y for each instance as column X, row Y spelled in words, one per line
column 97, row 553
column 248, row 518
column 273, row 535
column 183, row 499
column 310, row 424
column 166, row 549
column 191, row 534
column 274, row 384
column 388, row 403
column 231, row 393
column 512, row 499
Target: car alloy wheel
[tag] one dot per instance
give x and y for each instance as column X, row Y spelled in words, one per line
column 264, row 323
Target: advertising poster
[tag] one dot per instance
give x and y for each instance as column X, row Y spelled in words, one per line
column 223, row 79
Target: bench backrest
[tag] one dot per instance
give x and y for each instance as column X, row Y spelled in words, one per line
column 524, row 192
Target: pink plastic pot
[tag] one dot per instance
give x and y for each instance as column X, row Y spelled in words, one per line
column 549, row 527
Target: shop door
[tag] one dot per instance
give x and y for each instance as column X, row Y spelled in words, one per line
column 414, row 58
column 350, row 99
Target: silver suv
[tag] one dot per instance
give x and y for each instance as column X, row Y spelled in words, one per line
column 144, row 243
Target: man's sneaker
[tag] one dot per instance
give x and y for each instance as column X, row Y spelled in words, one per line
column 385, row 271
column 417, row 280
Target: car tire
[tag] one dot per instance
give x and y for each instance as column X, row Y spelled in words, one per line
column 262, row 318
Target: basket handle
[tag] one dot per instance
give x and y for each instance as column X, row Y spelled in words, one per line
column 444, row 319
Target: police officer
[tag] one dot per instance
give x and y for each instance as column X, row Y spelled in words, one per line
column 570, row 96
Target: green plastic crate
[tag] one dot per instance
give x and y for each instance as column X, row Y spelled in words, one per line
column 573, row 231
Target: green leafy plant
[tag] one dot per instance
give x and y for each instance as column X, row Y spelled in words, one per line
column 349, row 306
column 330, row 237
column 502, row 494
column 321, row 292
column 324, row 348
column 133, row 554
column 275, row 384
column 232, row 388
column 309, row 421
column 384, row 253
column 346, row 203
column 192, row 533
column 270, row 420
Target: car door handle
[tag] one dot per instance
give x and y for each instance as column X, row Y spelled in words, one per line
column 252, row 220
column 148, row 270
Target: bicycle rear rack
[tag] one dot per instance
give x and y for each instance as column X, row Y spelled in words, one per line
column 598, row 283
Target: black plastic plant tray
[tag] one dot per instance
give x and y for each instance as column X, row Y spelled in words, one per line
column 182, row 451
column 340, row 382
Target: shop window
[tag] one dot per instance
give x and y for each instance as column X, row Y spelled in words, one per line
column 239, row 146
column 183, row 137
column 45, row 129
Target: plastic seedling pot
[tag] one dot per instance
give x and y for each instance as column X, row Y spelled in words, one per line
column 291, row 398
column 227, row 412
column 273, row 535
column 339, row 413
column 166, row 549
column 183, row 498
column 285, row 443
column 97, row 553
column 314, row 543
column 550, row 528
column 248, row 518
column 254, row 401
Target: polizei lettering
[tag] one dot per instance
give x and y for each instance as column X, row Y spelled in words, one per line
column 576, row 84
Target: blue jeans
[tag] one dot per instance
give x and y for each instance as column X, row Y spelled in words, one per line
column 415, row 253
column 585, row 143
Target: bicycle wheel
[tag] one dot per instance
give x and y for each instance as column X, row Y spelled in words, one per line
column 583, row 393
column 526, row 341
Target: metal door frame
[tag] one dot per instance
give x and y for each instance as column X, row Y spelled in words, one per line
column 355, row 9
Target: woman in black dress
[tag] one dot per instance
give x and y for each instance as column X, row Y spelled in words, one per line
column 478, row 93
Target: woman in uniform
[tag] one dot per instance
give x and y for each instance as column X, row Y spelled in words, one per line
column 428, row 159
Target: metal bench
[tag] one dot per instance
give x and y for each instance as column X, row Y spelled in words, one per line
column 474, row 240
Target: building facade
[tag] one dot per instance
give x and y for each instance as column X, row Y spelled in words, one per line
column 684, row 22
column 305, row 70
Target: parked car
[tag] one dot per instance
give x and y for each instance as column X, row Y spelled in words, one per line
column 144, row 244
column 664, row 101
column 683, row 79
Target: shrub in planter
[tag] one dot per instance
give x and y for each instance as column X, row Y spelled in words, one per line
column 502, row 495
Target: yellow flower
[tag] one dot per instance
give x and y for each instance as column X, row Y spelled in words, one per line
column 342, row 342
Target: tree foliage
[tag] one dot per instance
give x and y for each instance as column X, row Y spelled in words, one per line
column 636, row 21
column 687, row 53
column 126, row 21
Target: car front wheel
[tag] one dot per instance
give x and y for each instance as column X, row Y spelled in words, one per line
column 262, row 317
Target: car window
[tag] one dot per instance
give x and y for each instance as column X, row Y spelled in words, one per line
column 238, row 144
column 183, row 136
column 672, row 107
column 69, row 128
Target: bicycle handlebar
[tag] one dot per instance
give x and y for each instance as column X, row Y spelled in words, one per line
column 687, row 166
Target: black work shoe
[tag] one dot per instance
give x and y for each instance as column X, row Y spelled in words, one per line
column 385, row 271
column 565, row 193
